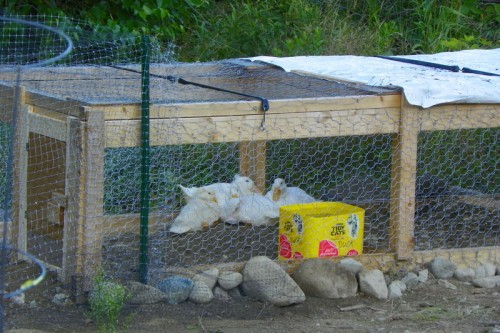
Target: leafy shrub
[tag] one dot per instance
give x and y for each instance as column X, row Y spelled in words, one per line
column 106, row 300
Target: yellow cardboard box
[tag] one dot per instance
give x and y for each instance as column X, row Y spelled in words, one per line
column 320, row 229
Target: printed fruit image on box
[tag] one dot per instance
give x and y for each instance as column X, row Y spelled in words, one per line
column 320, row 229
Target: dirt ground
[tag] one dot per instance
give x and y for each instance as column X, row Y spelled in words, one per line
column 430, row 307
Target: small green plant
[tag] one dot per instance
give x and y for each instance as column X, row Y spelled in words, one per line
column 107, row 300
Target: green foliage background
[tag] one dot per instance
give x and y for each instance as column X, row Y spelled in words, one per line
column 205, row 30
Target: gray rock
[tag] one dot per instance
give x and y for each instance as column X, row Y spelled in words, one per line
column 209, row 277
column 372, row 283
column 230, row 280
column 325, row 279
column 498, row 270
column 423, row 276
column 446, row 284
column 265, row 280
column 234, row 293
column 489, row 269
column 400, row 284
column 442, row 268
column 479, row 272
column 221, row 294
column 177, row 288
column 352, row 265
column 19, row 299
column 395, row 289
column 464, row 274
column 60, row 299
column 143, row 294
column 201, row 293
column 410, row 280
column 487, row 282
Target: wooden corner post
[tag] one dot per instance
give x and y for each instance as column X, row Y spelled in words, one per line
column 72, row 193
column 90, row 235
column 19, row 231
column 403, row 182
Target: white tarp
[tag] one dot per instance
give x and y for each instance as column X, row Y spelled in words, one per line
column 423, row 86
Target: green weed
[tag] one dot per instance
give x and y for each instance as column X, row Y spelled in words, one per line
column 107, row 300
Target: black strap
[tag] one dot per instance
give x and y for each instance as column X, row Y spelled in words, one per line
column 264, row 101
column 455, row 69
column 475, row 71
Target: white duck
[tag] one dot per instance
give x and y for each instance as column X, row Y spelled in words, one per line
column 244, row 185
column 202, row 210
column 282, row 195
column 221, row 191
column 224, row 192
column 241, row 186
column 249, row 206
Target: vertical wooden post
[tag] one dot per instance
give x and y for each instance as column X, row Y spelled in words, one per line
column 72, row 193
column 253, row 162
column 20, row 172
column 403, row 182
column 92, row 196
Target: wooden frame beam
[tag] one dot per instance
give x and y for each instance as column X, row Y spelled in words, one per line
column 403, row 183
column 126, row 133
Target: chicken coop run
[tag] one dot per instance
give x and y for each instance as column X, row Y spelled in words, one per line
column 428, row 179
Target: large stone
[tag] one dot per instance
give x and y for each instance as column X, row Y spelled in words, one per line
column 140, row 293
column 410, row 280
column 201, row 293
column 222, row 294
column 442, row 268
column 372, row 282
column 487, row 282
column 479, row 272
column 395, row 290
column 265, row 280
column 234, row 293
column 177, row 288
column 489, row 269
column 209, row 277
column 325, row 279
column 229, row 280
column 352, row 265
column 401, row 285
column 423, row 276
column 464, row 274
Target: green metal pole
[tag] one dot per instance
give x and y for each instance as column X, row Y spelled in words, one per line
column 145, row 160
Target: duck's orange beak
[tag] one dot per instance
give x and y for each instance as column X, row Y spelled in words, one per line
column 276, row 194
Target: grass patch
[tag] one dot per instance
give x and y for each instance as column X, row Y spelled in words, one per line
column 435, row 313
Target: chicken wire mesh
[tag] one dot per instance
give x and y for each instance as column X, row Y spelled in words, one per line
column 77, row 188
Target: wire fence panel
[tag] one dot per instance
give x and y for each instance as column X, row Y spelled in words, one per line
column 457, row 194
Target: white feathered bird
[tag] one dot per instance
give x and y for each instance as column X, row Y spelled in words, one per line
column 244, row 185
column 224, row 192
column 201, row 210
column 247, row 205
column 256, row 209
column 241, row 186
column 221, row 191
column 283, row 195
